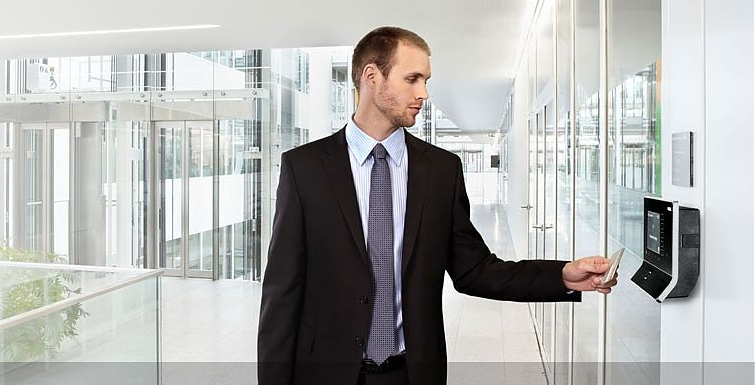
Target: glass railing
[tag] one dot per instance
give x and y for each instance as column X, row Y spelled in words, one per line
column 65, row 324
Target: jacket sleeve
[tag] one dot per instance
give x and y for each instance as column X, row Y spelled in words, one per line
column 476, row 271
column 282, row 285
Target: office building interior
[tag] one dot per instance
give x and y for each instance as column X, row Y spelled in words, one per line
column 140, row 152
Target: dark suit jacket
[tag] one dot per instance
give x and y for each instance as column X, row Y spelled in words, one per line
column 316, row 293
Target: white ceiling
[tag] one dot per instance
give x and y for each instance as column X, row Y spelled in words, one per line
column 474, row 42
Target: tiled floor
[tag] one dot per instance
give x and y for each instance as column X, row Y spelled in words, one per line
column 205, row 321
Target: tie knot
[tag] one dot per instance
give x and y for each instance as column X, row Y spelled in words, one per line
column 379, row 151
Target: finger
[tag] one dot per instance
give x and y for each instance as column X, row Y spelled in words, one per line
column 603, row 291
column 597, row 259
column 596, row 266
column 598, row 280
column 608, row 284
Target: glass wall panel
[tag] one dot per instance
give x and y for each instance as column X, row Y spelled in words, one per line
column 89, row 204
column 117, row 182
column 240, row 193
column 633, row 318
column 46, row 76
column 80, row 343
column 200, row 208
column 32, row 178
column 546, row 166
column 61, row 200
column 564, row 174
column 545, row 48
column 549, row 222
column 586, row 238
column 6, row 176
column 532, row 73
column 170, row 194
column 537, row 228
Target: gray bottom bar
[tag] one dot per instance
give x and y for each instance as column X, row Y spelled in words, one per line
column 478, row 373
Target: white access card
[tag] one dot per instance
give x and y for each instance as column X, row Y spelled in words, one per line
column 615, row 260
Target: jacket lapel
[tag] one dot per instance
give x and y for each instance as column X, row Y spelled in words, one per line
column 418, row 179
column 338, row 168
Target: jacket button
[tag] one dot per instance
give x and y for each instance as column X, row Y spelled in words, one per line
column 360, row 341
column 364, row 300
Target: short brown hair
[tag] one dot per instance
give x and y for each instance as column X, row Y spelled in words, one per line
column 378, row 47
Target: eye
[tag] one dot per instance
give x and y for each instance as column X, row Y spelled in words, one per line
column 411, row 79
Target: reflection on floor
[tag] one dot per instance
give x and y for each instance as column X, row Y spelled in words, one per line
column 488, row 342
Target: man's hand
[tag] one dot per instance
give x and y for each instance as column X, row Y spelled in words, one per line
column 586, row 274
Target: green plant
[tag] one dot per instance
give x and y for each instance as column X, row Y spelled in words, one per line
column 32, row 289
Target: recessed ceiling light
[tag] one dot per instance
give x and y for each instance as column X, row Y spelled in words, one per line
column 109, row 31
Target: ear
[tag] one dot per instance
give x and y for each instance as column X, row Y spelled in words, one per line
column 370, row 74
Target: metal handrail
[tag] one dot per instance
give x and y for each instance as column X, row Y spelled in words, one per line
column 57, row 266
column 217, row 95
column 60, row 305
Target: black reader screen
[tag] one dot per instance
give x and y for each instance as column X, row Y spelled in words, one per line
column 659, row 217
column 653, row 234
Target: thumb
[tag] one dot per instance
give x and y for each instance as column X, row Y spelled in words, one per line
column 596, row 265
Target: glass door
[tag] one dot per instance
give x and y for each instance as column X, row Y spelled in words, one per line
column 40, row 219
column 532, row 206
column 536, row 199
column 185, row 197
column 124, row 184
column 542, row 237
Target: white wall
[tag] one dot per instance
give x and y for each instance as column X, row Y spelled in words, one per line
column 708, row 89
column 729, row 290
column 682, row 108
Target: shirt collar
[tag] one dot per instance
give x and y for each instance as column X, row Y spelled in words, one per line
column 362, row 144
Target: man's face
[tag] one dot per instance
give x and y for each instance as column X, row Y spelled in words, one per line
column 399, row 96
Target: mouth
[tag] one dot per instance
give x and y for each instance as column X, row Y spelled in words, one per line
column 415, row 109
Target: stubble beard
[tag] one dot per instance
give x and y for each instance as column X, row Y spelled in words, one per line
column 390, row 108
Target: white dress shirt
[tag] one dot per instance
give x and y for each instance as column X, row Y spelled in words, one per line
column 360, row 146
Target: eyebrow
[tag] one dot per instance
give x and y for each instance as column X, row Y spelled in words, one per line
column 418, row 74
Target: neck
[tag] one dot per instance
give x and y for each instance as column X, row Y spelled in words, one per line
column 374, row 124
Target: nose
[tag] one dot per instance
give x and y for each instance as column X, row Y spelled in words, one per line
column 422, row 92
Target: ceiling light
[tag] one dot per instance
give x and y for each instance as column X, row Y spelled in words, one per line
column 109, row 31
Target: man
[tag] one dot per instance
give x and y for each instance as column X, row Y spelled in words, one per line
column 367, row 223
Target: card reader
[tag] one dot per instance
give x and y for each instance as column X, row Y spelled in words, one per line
column 671, row 252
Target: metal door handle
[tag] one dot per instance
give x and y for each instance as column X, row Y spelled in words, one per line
column 526, row 207
column 539, row 227
column 548, row 227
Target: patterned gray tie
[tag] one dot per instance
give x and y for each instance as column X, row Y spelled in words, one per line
column 382, row 341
